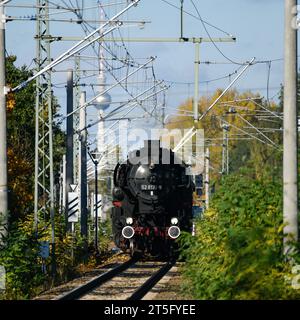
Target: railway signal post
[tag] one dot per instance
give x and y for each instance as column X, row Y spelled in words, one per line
column 95, row 162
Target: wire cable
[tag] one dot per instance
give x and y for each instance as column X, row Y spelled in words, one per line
column 211, row 39
column 192, row 15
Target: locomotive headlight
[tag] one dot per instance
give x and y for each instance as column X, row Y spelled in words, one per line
column 174, row 221
column 129, row 220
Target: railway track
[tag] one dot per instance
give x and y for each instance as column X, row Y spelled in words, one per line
column 131, row 280
column 151, row 282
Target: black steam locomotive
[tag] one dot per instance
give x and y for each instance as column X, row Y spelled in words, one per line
column 152, row 201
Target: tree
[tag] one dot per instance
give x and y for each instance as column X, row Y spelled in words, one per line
column 21, row 142
column 237, row 251
column 241, row 152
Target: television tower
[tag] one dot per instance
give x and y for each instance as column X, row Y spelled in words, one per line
column 104, row 100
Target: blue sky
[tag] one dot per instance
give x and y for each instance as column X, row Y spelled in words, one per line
column 257, row 25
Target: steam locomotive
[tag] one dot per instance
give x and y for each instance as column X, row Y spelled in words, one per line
column 152, row 201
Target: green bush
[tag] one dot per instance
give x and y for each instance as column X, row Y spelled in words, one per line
column 20, row 256
column 237, row 250
column 22, row 263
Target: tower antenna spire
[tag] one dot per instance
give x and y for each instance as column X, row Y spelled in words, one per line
column 104, row 100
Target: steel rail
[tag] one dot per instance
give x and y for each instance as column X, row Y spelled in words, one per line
column 96, row 282
column 152, row 281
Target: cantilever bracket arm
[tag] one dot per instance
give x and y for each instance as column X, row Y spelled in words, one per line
column 228, row 87
column 2, row 3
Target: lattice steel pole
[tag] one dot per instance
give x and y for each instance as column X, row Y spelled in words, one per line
column 44, row 199
column 44, row 177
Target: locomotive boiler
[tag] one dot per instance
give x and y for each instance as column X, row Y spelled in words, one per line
column 152, row 201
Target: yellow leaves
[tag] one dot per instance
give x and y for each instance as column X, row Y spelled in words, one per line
column 212, row 123
column 17, row 165
column 246, row 273
column 10, row 102
column 271, row 211
column 10, row 152
column 67, row 240
column 280, row 229
column 19, row 171
column 270, row 242
column 210, row 213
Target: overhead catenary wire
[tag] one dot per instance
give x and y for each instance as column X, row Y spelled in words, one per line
column 119, row 82
column 116, row 58
column 256, row 129
column 205, row 81
column 197, row 17
column 245, row 132
column 210, row 37
column 227, row 88
column 127, row 104
column 78, row 46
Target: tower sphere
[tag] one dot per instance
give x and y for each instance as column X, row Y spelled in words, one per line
column 103, row 102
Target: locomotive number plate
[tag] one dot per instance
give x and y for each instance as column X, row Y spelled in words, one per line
column 148, row 187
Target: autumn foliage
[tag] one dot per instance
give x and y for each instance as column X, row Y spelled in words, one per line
column 244, row 147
